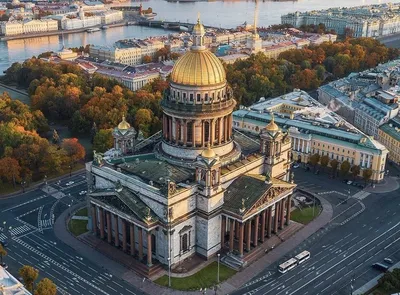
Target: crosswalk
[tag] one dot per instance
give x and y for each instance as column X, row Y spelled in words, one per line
column 20, row 230
column 361, row 195
column 3, row 237
column 46, row 223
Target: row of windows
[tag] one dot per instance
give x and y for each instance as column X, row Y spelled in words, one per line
column 207, row 97
column 333, row 148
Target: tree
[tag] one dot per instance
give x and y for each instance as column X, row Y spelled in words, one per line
column 143, row 119
column 10, row 170
column 93, row 132
column 324, row 161
column 74, row 150
column 55, row 138
column 344, row 168
column 355, row 170
column 29, row 276
column 46, row 287
column 314, row 159
column 103, row 140
column 147, row 59
column 367, row 173
column 3, row 252
column 334, row 164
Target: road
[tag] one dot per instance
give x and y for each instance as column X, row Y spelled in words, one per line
column 364, row 229
column 32, row 241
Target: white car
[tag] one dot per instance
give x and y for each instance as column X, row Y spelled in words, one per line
column 296, row 166
column 349, row 182
column 70, row 183
column 82, row 193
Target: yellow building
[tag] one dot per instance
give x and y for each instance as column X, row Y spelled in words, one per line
column 389, row 135
column 315, row 130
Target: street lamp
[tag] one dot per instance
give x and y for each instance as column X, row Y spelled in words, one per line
column 169, row 272
column 23, row 186
column 70, row 168
column 218, row 255
column 4, row 226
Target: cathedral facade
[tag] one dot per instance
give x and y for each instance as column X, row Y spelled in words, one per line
column 205, row 189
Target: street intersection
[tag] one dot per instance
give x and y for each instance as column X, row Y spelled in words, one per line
column 27, row 224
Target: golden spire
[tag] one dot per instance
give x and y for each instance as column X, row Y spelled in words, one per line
column 255, row 18
column 198, row 17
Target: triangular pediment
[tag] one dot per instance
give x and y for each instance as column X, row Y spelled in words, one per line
column 249, row 194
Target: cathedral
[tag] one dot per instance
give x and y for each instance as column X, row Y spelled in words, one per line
column 205, row 188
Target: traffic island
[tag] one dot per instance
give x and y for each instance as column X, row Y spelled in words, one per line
column 77, row 224
column 205, row 278
column 305, row 215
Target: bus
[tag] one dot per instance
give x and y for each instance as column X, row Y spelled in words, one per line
column 287, row 265
column 303, row 256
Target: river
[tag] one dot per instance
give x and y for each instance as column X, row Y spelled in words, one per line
column 226, row 14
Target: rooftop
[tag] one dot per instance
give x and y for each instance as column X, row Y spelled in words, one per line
column 392, row 128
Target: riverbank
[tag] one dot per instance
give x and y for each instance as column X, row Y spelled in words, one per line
column 60, row 32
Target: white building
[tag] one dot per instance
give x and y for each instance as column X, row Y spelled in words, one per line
column 129, row 52
column 111, row 17
column 363, row 21
column 11, row 28
column 10, row 285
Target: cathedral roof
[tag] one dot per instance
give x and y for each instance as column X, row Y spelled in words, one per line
column 198, row 68
column 126, row 202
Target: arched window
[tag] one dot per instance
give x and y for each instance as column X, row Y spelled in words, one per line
column 207, row 132
column 190, row 132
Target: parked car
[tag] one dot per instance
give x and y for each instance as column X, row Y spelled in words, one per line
column 82, row 193
column 381, row 266
column 70, row 183
column 4, row 243
column 349, row 182
column 296, row 166
column 388, row 260
column 4, row 265
column 345, row 181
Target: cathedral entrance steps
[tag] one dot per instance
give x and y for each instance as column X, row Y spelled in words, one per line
column 123, row 258
column 233, row 261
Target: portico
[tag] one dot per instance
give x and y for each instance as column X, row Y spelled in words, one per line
column 248, row 221
column 132, row 231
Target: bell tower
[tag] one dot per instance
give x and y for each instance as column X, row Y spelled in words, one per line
column 276, row 146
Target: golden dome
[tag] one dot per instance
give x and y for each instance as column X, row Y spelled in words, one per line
column 123, row 125
column 208, row 153
column 272, row 125
column 198, row 68
column 198, row 28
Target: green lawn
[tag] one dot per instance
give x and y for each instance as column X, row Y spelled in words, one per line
column 205, row 278
column 77, row 227
column 82, row 212
column 305, row 215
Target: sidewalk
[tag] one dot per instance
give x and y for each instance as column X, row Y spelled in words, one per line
column 230, row 285
column 389, row 184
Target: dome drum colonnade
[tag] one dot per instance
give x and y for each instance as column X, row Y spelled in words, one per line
column 198, row 106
